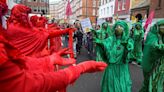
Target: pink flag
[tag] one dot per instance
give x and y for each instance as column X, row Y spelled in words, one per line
column 149, row 20
column 68, row 9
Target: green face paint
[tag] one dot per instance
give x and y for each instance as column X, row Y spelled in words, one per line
column 138, row 27
column 119, row 31
column 161, row 29
column 105, row 26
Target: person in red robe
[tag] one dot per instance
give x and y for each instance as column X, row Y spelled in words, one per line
column 40, row 22
column 30, row 40
column 56, row 42
column 14, row 77
column 55, row 57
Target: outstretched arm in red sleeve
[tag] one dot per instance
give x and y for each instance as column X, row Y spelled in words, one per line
column 55, row 33
column 53, row 81
column 46, row 64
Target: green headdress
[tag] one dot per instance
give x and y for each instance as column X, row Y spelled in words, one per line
column 125, row 27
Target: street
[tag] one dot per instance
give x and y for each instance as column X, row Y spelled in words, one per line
column 91, row 82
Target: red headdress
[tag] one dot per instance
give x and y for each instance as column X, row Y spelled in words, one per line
column 33, row 20
column 19, row 13
column 41, row 21
column 38, row 21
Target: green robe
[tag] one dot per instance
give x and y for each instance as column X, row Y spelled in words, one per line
column 137, row 36
column 101, row 35
column 153, row 61
column 116, row 77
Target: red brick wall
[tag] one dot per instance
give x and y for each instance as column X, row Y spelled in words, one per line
column 159, row 11
column 122, row 12
column 142, row 11
column 89, row 10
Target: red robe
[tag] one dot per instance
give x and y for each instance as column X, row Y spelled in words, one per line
column 17, row 79
column 31, row 42
column 56, row 42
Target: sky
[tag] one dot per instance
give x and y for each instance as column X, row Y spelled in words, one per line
column 54, row 0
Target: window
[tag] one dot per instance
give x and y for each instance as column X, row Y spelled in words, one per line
column 123, row 4
column 101, row 11
column 112, row 9
column 38, row 10
column 94, row 12
column 102, row 1
column 119, row 4
column 94, row 3
column 80, row 11
column 35, row 10
column 159, row 3
column 99, row 2
column 104, row 11
column 81, row 3
column 107, row 10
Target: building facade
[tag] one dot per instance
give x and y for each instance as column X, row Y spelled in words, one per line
column 158, row 7
column 141, row 7
column 38, row 6
column 62, row 9
column 122, row 9
column 54, row 10
column 146, row 6
column 80, row 9
column 106, row 10
column 84, row 8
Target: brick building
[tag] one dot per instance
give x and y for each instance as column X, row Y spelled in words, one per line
column 146, row 6
column 37, row 6
column 142, row 7
column 158, row 6
column 122, row 9
column 80, row 9
column 84, row 8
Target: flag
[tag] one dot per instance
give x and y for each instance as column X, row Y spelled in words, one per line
column 149, row 20
column 68, row 9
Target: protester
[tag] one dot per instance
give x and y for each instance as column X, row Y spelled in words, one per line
column 98, row 27
column 15, row 77
column 90, row 43
column 79, row 38
column 101, row 34
column 137, row 34
column 116, row 77
column 31, row 41
column 153, row 59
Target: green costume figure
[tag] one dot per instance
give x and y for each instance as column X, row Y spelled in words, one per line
column 153, row 59
column 116, row 77
column 137, row 35
column 101, row 34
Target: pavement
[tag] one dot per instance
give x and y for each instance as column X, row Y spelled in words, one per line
column 91, row 82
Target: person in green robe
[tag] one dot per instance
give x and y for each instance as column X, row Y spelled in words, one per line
column 137, row 35
column 101, row 34
column 116, row 77
column 153, row 59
